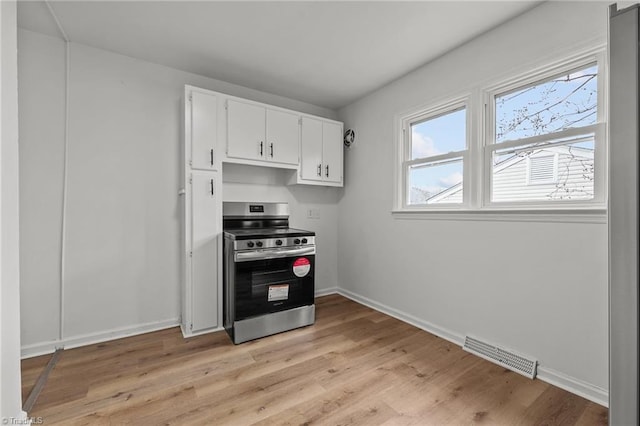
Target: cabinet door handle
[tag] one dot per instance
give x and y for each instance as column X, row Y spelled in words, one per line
column 327, row 168
column 211, row 187
column 271, row 149
column 319, row 169
column 211, row 156
column 261, row 151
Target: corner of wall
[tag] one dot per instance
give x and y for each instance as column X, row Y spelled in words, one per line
column 10, row 383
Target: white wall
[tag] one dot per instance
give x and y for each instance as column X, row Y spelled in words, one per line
column 123, row 229
column 10, row 395
column 537, row 288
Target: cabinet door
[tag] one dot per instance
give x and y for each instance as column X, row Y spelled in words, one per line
column 283, row 132
column 245, row 130
column 204, row 116
column 332, row 153
column 311, row 149
column 204, row 248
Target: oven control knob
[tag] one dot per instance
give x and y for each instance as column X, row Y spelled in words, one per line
column 259, row 243
column 278, row 242
column 304, row 241
column 296, row 241
column 250, row 244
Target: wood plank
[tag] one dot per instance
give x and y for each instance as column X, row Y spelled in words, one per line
column 555, row 407
column 594, row 414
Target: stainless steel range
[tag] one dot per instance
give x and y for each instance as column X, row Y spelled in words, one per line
column 269, row 271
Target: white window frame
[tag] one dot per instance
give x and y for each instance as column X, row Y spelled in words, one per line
column 480, row 111
column 404, row 154
column 598, row 129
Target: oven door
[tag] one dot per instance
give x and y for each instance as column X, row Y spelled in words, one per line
column 273, row 284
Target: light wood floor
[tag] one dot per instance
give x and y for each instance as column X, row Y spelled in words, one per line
column 354, row 366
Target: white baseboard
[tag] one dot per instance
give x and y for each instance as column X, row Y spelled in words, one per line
column 29, row 351
column 44, row 348
column 571, row 384
column 326, row 291
column 402, row 316
column 186, row 334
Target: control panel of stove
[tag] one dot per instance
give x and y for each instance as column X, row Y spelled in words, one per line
column 273, row 243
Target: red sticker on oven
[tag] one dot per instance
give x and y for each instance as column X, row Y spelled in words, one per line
column 301, row 267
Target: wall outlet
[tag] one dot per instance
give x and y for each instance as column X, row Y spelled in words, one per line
column 313, row 213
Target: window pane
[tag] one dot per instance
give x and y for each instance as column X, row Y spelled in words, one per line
column 436, row 183
column 439, row 135
column 565, row 102
column 562, row 170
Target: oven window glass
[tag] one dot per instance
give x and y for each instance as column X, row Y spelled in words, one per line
column 272, row 285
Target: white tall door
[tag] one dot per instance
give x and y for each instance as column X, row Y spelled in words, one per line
column 332, row 153
column 204, row 109
column 204, row 247
column 311, row 149
column 246, row 131
column 283, row 134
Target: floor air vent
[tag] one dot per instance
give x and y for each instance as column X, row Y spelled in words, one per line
column 505, row 358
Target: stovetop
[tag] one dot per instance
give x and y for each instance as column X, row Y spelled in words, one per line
column 258, row 233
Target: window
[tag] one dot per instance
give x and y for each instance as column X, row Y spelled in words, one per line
column 544, row 139
column 534, row 143
column 435, row 151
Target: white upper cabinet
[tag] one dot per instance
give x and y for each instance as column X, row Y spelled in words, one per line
column 321, row 157
column 221, row 128
column 245, row 130
column 283, row 135
column 203, row 126
column 311, row 149
column 332, row 152
column 256, row 132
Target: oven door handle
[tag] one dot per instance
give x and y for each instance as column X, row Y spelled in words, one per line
column 247, row 256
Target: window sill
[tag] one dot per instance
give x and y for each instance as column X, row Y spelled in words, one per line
column 591, row 215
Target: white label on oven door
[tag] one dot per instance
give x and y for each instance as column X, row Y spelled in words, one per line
column 278, row 292
column 301, row 267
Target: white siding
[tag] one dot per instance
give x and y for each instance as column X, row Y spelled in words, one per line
column 574, row 180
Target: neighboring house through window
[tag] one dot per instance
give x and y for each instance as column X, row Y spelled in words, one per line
column 556, row 124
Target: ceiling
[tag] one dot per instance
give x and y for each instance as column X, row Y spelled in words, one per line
column 325, row 53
